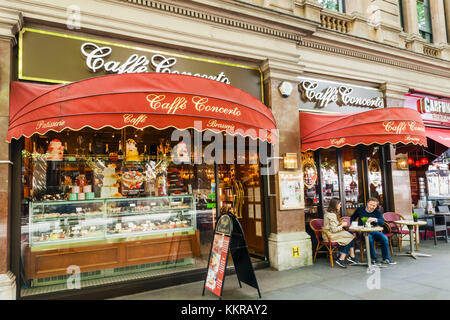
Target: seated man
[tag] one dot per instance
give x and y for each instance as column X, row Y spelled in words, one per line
column 375, row 217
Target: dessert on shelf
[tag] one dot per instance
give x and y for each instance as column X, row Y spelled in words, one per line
column 110, row 186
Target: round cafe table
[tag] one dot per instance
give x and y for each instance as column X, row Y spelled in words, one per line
column 365, row 231
column 411, row 224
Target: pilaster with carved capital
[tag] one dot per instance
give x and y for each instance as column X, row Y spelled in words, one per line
column 394, row 93
column 11, row 22
column 309, row 9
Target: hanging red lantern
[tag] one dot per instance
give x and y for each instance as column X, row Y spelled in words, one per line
column 410, row 161
column 424, row 160
column 417, row 163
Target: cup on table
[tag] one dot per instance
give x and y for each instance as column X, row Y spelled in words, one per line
column 354, row 224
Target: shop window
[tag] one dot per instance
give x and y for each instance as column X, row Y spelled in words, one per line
column 330, row 176
column 438, row 177
column 424, row 20
column 114, row 204
column 311, row 185
column 336, row 5
column 375, row 176
column 351, row 175
column 400, row 10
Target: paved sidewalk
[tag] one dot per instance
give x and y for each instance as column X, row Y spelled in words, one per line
column 424, row 278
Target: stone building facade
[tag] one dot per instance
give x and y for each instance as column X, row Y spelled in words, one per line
column 374, row 43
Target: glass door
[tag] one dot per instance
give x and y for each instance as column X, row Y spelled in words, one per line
column 352, row 179
column 374, row 173
column 330, row 176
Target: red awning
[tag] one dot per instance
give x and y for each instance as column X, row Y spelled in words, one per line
column 389, row 125
column 138, row 100
column 440, row 135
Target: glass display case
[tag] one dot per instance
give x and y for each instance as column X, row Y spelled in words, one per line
column 152, row 215
column 58, row 222
column 55, row 222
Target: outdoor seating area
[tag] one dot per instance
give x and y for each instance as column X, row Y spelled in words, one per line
column 397, row 228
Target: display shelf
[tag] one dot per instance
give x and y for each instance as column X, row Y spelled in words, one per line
column 65, row 222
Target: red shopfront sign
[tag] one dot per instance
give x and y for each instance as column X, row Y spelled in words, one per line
column 138, row 100
column 380, row 126
column 435, row 111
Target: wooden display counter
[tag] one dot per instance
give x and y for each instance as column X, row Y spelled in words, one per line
column 54, row 262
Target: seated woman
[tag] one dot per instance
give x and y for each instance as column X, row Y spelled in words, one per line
column 337, row 233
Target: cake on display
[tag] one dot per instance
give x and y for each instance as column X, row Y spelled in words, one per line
column 55, row 151
column 132, row 151
column 180, row 153
column 110, row 186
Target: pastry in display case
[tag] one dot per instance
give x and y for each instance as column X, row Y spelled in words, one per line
column 54, row 222
column 153, row 215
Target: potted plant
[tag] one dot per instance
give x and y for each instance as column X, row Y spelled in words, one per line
column 364, row 220
column 415, row 216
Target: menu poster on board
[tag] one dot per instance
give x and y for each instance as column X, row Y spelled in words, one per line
column 217, row 264
column 229, row 238
column 290, row 188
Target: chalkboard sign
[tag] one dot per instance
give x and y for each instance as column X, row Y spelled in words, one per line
column 228, row 238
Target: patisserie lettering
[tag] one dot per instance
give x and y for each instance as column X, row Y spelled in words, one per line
column 131, row 119
column 49, row 124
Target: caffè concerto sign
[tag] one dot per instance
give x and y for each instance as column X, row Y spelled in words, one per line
column 329, row 96
column 59, row 58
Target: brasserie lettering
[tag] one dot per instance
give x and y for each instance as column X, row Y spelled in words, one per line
column 215, row 124
column 96, row 61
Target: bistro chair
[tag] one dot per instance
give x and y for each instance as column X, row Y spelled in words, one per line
column 330, row 246
column 435, row 223
column 387, row 231
column 445, row 209
column 346, row 219
column 389, row 218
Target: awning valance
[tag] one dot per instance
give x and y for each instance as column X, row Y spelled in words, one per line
column 439, row 135
column 140, row 100
column 380, row 126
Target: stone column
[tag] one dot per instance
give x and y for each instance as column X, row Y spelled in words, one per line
column 401, row 186
column 438, row 22
column 287, row 226
column 447, row 16
column 354, row 7
column 10, row 24
column 410, row 17
column 414, row 40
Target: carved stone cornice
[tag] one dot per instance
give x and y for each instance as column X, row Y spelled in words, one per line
column 11, row 22
column 382, row 58
column 226, row 20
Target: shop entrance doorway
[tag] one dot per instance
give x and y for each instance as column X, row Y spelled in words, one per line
column 240, row 194
column 352, row 174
